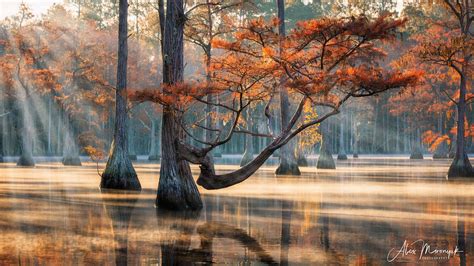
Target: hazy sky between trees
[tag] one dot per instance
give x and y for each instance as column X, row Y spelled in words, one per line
column 10, row 7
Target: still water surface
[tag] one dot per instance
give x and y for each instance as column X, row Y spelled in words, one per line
column 350, row 216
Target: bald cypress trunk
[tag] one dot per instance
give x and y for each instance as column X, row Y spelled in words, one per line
column 355, row 140
column 154, row 154
column 177, row 189
column 325, row 160
column 132, row 154
column 461, row 166
column 70, row 149
column 288, row 163
column 416, row 153
column 342, row 152
column 26, row 153
column 119, row 172
column 441, row 151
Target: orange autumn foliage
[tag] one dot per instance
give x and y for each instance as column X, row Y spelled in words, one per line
column 323, row 62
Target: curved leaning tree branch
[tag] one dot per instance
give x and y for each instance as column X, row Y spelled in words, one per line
column 325, row 62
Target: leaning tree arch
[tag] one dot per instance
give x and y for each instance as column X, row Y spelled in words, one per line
column 325, row 63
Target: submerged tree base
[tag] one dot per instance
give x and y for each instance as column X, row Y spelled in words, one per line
column 342, row 157
column 26, row 161
column 288, row 169
column 178, row 191
column 325, row 160
column 460, row 167
column 119, row 174
column 72, row 161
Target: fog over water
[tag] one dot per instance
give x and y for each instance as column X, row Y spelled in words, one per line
column 354, row 215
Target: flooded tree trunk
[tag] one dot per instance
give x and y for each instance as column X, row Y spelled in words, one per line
column 58, row 134
column 397, row 136
column 301, row 157
column 325, row 160
column 26, row 153
column 3, row 127
column 375, row 128
column 131, row 145
column 416, row 153
column 342, row 152
column 119, row 172
column 452, row 146
column 441, row 151
column 288, row 164
column 2, row 148
column 50, row 116
column 177, row 189
column 461, row 166
column 154, row 154
column 355, row 140
column 70, row 149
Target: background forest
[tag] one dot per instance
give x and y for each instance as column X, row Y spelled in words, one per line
column 58, row 73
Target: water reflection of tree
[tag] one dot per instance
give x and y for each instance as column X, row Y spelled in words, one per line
column 177, row 248
column 286, row 211
column 461, row 235
column 180, row 226
column 211, row 230
column 461, row 241
column 119, row 208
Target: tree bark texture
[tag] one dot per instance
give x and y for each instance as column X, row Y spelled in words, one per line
column 119, row 172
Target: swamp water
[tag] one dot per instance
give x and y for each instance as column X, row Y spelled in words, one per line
column 367, row 212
